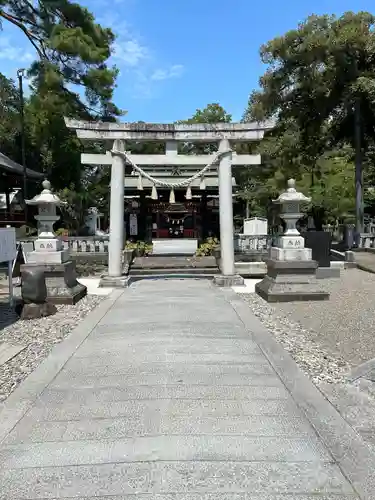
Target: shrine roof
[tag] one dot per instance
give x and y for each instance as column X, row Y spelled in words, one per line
column 15, row 168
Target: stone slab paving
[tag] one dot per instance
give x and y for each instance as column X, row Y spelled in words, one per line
column 169, row 392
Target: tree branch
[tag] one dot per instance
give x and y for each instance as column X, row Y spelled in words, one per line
column 23, row 28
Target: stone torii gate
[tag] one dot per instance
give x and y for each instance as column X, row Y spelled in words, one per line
column 223, row 134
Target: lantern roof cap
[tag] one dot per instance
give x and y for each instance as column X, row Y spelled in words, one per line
column 292, row 195
column 46, row 197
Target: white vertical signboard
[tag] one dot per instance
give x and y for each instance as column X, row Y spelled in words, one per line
column 133, row 225
column 8, row 253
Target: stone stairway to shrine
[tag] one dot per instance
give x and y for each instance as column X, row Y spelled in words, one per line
column 173, row 267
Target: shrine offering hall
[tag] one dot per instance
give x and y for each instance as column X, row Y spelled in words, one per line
column 196, row 217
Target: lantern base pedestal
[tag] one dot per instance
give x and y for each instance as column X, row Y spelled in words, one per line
column 59, row 257
column 291, row 254
column 289, row 281
column 61, row 281
column 35, row 311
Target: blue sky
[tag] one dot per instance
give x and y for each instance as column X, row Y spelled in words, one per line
column 175, row 56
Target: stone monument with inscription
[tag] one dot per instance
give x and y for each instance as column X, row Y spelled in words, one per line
column 291, row 272
column 49, row 254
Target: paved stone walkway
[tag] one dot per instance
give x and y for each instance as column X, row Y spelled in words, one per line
column 169, row 398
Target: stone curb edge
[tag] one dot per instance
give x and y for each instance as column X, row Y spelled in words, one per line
column 361, row 371
column 22, row 399
column 363, row 267
column 353, row 455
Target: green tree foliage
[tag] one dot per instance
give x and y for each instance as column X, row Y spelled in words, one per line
column 10, row 126
column 330, row 183
column 75, row 211
column 212, row 113
column 72, row 49
column 69, row 77
column 9, row 115
column 316, row 75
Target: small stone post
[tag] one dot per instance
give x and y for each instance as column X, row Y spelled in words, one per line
column 49, row 254
column 291, row 272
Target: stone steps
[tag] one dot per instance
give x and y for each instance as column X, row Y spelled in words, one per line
column 173, row 262
column 163, row 275
column 163, row 267
column 183, row 270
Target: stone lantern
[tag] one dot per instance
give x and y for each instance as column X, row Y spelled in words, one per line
column 291, row 245
column 48, row 248
column 49, row 253
column 291, row 272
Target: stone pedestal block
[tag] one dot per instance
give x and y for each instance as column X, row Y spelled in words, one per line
column 48, row 245
column 61, row 281
column 58, row 257
column 288, row 281
column 114, row 281
column 328, row 272
column 228, row 281
column 290, row 254
column 35, row 311
column 293, row 241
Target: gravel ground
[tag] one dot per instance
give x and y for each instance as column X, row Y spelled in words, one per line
column 311, row 357
column 322, row 337
column 39, row 336
column 344, row 326
column 326, row 338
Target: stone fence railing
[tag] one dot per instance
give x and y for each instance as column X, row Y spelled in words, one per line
column 244, row 243
column 89, row 244
column 367, row 240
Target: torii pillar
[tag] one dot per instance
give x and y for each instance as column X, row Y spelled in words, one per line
column 116, row 277
column 228, row 275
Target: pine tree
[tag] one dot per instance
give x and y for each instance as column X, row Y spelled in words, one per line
column 71, row 49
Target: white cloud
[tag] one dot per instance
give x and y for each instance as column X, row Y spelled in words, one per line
column 120, row 27
column 10, row 51
column 174, row 71
column 104, row 3
column 133, row 56
column 129, row 52
column 128, row 49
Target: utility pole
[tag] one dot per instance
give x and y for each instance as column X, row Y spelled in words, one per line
column 359, row 206
column 21, row 74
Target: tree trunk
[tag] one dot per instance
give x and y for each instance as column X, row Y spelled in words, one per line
column 318, row 215
column 247, row 210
